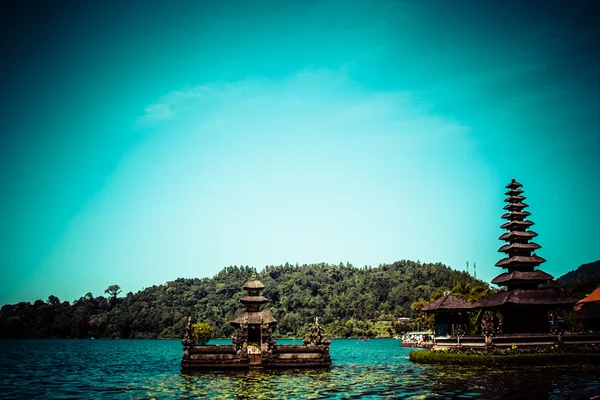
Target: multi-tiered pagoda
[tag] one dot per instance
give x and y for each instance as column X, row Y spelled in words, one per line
column 255, row 326
column 528, row 297
column 520, row 261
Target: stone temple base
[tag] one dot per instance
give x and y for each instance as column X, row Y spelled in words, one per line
column 254, row 345
column 220, row 357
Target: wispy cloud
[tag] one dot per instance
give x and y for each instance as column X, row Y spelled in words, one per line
column 156, row 112
column 310, row 102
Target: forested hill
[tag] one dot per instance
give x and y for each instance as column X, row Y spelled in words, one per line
column 582, row 281
column 583, row 271
column 334, row 293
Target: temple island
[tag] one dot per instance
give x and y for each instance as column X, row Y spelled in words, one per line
column 523, row 312
column 254, row 345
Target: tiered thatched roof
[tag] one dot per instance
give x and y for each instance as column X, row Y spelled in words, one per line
column 528, row 295
column 253, row 300
column 448, row 302
column 516, row 276
column 520, row 261
column 253, row 318
column 546, row 297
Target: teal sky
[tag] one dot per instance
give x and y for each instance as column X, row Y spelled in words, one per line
column 142, row 142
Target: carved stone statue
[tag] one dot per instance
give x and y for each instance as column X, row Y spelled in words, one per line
column 188, row 337
column 241, row 342
column 487, row 324
column 316, row 337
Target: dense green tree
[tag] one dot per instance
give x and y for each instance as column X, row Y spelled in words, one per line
column 113, row 291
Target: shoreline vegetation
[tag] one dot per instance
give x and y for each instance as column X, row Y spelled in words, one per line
column 564, row 357
column 349, row 302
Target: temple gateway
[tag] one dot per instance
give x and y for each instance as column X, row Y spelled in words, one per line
column 254, row 345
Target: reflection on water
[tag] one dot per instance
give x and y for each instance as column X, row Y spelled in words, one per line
column 377, row 369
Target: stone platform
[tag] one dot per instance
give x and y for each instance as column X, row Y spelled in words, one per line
column 223, row 357
column 530, row 340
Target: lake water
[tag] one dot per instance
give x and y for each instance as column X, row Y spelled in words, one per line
column 375, row 369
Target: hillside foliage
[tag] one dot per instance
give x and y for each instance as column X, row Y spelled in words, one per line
column 582, row 281
column 346, row 299
column 584, row 271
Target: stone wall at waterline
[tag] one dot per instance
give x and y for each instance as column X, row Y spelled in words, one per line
column 282, row 356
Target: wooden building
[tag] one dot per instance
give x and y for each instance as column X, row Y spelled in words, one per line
column 450, row 314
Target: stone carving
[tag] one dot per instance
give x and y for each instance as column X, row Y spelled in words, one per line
column 188, row 337
column 316, row 337
column 487, row 324
column 268, row 340
column 240, row 341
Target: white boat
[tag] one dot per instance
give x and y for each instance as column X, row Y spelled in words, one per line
column 418, row 339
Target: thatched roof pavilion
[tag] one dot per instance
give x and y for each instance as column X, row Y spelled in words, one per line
column 448, row 302
column 449, row 313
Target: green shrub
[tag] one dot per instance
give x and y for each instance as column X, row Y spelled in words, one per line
column 482, row 358
column 202, row 332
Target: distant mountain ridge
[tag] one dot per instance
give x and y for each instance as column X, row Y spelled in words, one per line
column 588, row 270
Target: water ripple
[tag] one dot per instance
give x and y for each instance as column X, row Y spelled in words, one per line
column 378, row 369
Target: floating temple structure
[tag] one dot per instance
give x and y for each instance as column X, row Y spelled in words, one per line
column 254, row 345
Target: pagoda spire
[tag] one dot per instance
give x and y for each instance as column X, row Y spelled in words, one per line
column 253, row 299
column 529, row 294
column 520, row 261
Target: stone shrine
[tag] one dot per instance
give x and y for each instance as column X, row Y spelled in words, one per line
column 254, row 345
